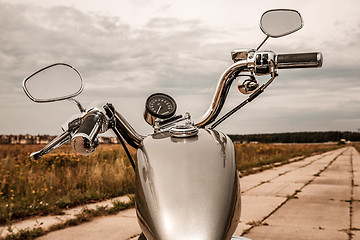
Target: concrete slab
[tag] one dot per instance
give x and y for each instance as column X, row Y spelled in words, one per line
column 337, row 180
column 356, row 235
column 120, row 226
column 298, row 176
column 242, row 227
column 253, row 180
column 323, row 192
column 356, row 193
column 339, row 167
column 262, row 176
column 356, row 215
column 356, row 167
column 246, row 185
column 255, row 209
column 295, row 233
column 275, row 189
column 303, row 213
column 357, row 179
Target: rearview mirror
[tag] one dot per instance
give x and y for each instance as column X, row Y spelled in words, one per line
column 53, row 83
column 280, row 22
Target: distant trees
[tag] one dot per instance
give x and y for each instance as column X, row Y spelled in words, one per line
column 298, row 137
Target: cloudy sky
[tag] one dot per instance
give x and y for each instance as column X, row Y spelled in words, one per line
column 129, row 49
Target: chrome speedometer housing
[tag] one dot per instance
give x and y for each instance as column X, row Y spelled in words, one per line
column 159, row 105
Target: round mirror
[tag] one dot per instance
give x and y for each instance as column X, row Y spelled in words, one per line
column 280, row 22
column 53, row 83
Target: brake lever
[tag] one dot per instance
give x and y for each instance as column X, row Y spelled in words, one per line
column 55, row 143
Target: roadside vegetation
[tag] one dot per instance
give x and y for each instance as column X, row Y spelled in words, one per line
column 63, row 179
column 357, row 146
column 59, row 180
column 251, row 158
column 84, row 216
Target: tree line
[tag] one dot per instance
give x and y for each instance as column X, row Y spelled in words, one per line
column 298, row 137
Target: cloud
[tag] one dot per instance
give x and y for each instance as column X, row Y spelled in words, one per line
column 167, row 52
column 180, row 56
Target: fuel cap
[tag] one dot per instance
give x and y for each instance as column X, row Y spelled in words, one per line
column 183, row 131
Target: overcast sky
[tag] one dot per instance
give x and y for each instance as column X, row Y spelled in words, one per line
column 129, row 49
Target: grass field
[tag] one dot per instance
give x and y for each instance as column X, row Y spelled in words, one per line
column 60, row 179
column 64, row 179
column 254, row 157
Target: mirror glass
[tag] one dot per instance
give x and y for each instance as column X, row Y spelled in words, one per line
column 280, row 22
column 53, row 83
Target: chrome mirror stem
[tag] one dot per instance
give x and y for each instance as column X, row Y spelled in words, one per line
column 78, row 104
column 262, row 43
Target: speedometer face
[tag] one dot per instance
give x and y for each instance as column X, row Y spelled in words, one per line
column 161, row 105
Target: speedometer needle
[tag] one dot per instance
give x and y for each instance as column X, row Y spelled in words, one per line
column 158, row 110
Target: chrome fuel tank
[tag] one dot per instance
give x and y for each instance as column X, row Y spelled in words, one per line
column 187, row 188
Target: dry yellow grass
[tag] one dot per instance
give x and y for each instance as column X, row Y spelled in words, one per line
column 249, row 156
column 60, row 179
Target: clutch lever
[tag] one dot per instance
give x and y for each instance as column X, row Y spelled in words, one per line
column 55, row 143
column 60, row 140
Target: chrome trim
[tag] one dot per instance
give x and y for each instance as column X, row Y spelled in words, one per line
column 262, row 43
column 83, row 143
column 78, row 104
column 98, row 110
column 221, row 92
column 184, row 131
column 240, row 54
column 117, row 123
column 52, row 99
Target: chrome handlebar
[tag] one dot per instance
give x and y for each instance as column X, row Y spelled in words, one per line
column 258, row 63
column 83, row 131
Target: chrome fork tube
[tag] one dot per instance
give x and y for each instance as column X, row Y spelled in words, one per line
column 121, row 127
column 221, row 92
column 126, row 131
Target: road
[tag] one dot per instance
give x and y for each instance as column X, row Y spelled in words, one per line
column 316, row 198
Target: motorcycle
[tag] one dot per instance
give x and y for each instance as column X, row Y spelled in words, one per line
column 187, row 184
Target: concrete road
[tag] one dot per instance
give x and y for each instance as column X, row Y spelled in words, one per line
column 317, row 198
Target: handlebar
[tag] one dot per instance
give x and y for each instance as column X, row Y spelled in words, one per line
column 85, row 139
column 258, row 63
column 299, row 60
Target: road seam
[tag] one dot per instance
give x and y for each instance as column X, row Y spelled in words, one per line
column 351, row 197
column 286, row 172
column 261, row 222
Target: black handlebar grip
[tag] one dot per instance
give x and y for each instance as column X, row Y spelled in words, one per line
column 85, row 139
column 299, row 60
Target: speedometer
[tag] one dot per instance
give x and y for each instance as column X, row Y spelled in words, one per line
column 159, row 105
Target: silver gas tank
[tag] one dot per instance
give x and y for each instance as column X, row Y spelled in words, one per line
column 187, row 188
